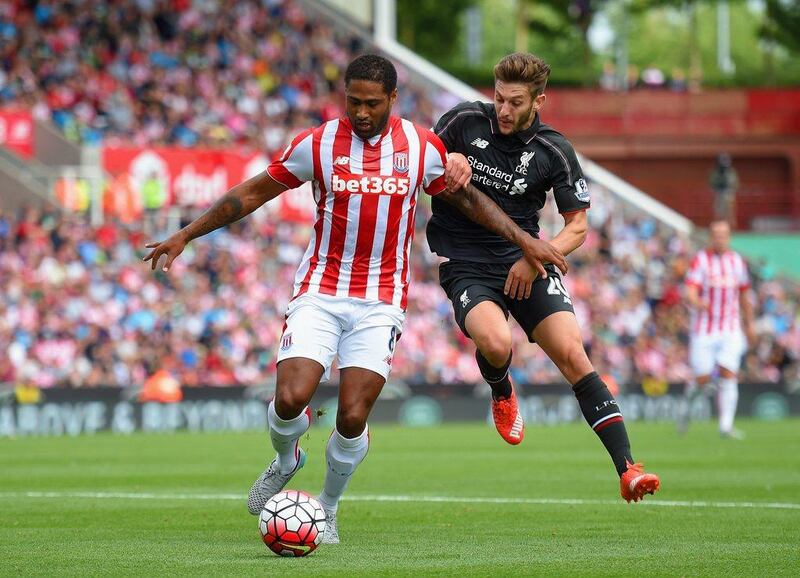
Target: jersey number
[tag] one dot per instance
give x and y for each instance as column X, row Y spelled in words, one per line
column 556, row 288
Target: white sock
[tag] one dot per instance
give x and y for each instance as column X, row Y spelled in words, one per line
column 691, row 391
column 728, row 398
column 343, row 456
column 284, row 434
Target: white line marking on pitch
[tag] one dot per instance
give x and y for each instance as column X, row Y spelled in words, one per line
column 382, row 498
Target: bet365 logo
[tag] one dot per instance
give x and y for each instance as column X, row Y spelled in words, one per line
column 376, row 185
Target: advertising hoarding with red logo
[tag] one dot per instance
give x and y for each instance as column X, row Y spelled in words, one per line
column 16, row 132
column 195, row 178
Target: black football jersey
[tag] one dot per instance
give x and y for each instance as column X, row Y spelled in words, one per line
column 515, row 171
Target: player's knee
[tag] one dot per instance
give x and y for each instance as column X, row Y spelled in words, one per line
column 575, row 363
column 289, row 403
column 496, row 348
column 351, row 421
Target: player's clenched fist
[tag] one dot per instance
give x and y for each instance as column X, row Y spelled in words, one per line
column 457, row 172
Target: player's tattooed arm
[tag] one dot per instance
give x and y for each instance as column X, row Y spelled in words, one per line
column 238, row 202
column 481, row 209
column 226, row 210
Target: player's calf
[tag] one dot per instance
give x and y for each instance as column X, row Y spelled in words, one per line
column 602, row 413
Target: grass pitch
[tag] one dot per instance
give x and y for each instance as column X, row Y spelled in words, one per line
column 420, row 505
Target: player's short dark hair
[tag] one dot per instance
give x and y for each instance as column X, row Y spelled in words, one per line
column 374, row 68
column 525, row 68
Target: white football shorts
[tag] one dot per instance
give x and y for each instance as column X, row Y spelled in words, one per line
column 706, row 352
column 361, row 333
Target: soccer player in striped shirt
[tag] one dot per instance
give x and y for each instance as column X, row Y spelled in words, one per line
column 350, row 291
column 717, row 292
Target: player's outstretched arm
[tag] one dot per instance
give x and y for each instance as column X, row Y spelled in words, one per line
column 489, row 215
column 238, row 202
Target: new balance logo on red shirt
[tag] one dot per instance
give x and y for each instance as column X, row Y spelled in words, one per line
column 341, row 161
column 370, row 184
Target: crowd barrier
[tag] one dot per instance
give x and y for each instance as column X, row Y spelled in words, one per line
column 56, row 412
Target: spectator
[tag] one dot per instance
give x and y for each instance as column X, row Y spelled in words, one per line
column 724, row 182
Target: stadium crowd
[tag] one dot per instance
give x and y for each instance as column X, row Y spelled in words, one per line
column 180, row 72
column 80, row 309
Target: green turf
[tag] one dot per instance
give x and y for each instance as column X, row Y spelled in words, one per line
column 214, row 535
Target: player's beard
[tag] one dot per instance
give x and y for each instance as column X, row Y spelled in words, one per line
column 525, row 120
column 378, row 127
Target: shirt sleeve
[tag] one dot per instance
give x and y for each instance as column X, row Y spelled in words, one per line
column 694, row 276
column 296, row 165
column 435, row 161
column 570, row 189
column 744, row 275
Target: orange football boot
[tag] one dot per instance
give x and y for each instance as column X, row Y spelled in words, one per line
column 507, row 418
column 635, row 483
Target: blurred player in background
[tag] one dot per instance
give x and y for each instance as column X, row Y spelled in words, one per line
column 350, row 290
column 515, row 159
column 717, row 292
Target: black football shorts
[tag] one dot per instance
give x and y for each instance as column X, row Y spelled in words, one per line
column 468, row 284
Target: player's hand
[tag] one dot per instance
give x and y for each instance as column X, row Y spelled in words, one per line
column 457, row 173
column 538, row 252
column 172, row 247
column 520, row 280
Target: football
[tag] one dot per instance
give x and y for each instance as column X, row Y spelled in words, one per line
column 292, row 523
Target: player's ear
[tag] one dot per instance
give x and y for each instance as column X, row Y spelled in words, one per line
column 538, row 102
column 392, row 97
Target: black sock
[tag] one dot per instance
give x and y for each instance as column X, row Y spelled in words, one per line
column 496, row 377
column 603, row 416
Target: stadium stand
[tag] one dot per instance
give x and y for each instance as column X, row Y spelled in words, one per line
column 80, row 310
column 157, row 72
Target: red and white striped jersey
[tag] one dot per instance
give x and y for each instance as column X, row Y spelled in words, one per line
column 720, row 278
column 366, row 196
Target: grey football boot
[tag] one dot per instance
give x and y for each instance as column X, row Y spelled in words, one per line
column 331, row 535
column 270, row 483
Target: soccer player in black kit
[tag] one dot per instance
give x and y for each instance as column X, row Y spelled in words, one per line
column 515, row 159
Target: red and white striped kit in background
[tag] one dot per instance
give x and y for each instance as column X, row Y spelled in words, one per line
column 720, row 279
column 366, row 195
